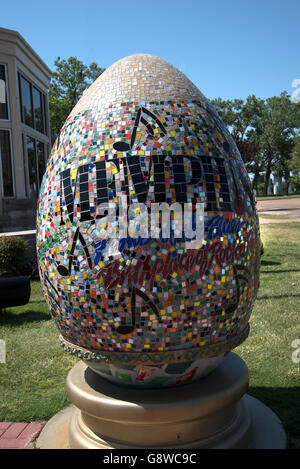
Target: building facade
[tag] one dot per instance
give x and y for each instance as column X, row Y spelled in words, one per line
column 24, row 130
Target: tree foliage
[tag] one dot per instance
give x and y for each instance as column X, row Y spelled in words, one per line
column 69, row 80
column 294, row 164
column 264, row 131
column 281, row 123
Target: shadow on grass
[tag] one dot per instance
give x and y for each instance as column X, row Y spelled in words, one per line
column 7, row 318
column 278, row 271
column 38, row 301
column 263, row 262
column 285, row 403
column 278, row 297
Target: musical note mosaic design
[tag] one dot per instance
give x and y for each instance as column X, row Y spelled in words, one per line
column 143, row 133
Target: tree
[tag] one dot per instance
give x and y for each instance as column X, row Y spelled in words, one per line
column 294, row 164
column 281, row 165
column 280, row 123
column 244, row 120
column 68, row 83
column 264, row 131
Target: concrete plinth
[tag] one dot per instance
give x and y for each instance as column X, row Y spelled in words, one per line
column 211, row 413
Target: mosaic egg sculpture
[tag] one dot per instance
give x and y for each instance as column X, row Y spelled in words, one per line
column 141, row 307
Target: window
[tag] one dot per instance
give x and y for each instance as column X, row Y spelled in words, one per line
column 26, row 104
column 25, row 165
column 45, row 112
column 6, row 164
column 40, row 155
column 32, row 167
column 33, row 106
column 38, row 109
column 35, row 163
column 3, row 93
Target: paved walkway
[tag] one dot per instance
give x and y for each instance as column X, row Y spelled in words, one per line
column 18, row 435
column 283, row 210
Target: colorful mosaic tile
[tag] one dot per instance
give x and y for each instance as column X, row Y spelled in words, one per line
column 144, row 134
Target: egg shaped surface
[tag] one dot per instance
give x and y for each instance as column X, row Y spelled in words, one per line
column 147, row 231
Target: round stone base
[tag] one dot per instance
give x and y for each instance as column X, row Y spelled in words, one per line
column 211, row 413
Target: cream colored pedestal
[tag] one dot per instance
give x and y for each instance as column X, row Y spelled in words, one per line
column 211, row 413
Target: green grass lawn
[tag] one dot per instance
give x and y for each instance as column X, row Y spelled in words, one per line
column 32, row 382
column 274, row 325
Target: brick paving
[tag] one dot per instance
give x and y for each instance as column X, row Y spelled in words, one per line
column 18, row 435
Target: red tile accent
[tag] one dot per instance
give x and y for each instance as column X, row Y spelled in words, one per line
column 12, row 443
column 31, row 430
column 5, row 425
column 18, row 435
column 14, row 430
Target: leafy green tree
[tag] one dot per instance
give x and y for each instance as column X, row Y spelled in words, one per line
column 244, row 120
column 59, row 110
column 241, row 116
column 280, row 123
column 264, row 131
column 69, row 80
column 281, row 165
column 294, row 164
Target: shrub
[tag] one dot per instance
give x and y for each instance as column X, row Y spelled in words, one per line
column 12, row 256
column 32, row 269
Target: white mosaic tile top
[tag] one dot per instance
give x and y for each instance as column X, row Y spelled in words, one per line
column 139, row 77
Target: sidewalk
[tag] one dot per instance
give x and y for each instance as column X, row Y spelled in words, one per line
column 18, row 435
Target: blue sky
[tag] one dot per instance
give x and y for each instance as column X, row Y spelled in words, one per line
column 229, row 48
